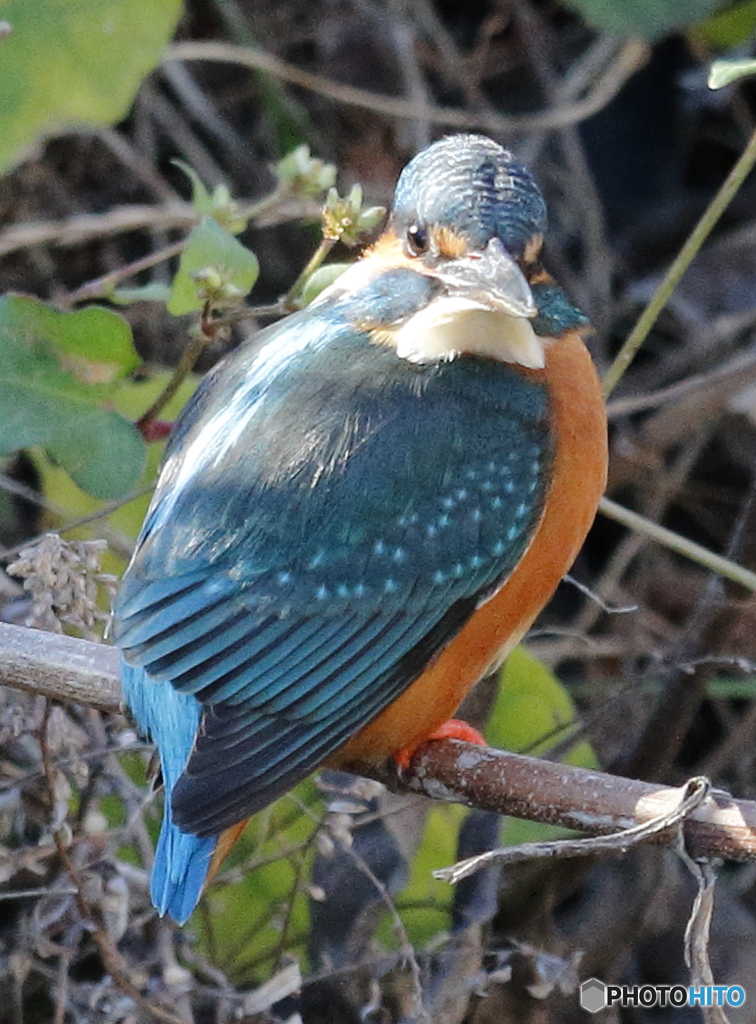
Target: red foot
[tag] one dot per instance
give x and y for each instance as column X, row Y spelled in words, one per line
column 454, row 729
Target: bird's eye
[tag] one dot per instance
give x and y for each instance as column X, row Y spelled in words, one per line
column 417, row 239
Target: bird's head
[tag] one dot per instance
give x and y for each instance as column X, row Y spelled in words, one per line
column 471, row 215
column 468, row 221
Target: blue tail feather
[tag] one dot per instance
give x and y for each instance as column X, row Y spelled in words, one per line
column 171, row 720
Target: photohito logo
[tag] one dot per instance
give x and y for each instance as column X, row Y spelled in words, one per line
column 595, row 995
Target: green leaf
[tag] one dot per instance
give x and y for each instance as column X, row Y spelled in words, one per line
column 102, row 452
column 97, row 341
column 65, row 63
column 131, row 398
column 533, row 710
column 648, row 19
column 725, row 72
column 727, row 29
column 211, row 248
column 56, row 394
column 320, row 280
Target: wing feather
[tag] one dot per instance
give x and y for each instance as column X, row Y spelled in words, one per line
column 316, row 538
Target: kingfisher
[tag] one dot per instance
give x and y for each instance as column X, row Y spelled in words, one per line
column 361, row 510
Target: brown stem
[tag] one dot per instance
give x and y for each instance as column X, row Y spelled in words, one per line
column 192, row 351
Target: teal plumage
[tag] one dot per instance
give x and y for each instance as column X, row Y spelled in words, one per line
column 330, row 514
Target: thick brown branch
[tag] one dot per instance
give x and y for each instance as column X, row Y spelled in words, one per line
column 526, row 787
column 59, row 667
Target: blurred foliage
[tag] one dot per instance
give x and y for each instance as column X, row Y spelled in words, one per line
column 729, row 28
column 424, row 903
column 261, row 913
column 214, row 267
column 58, row 375
column 649, row 19
column 534, row 711
column 70, row 64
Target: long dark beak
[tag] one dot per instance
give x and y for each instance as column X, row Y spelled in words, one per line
column 491, row 278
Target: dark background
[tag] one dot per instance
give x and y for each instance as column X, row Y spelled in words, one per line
column 664, row 691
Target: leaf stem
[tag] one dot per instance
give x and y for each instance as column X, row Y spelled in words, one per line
column 289, row 300
column 679, row 265
column 192, row 351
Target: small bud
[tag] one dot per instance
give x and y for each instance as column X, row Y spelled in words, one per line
column 216, row 287
column 344, row 220
column 217, row 204
column 303, row 174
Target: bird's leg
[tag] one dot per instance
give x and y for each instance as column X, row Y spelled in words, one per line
column 453, row 729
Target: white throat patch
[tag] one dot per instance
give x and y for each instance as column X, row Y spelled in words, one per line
column 450, row 326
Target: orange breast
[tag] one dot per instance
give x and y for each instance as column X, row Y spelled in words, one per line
column 578, row 422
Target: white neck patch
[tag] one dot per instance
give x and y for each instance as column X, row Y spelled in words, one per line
column 451, row 326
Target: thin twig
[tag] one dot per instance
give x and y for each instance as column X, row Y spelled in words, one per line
column 698, row 930
column 694, row 793
column 680, row 264
column 117, row 542
column 630, row 59
column 182, row 216
column 734, row 375
column 325, row 246
column 193, row 349
column 104, row 285
column 675, row 542
column 112, row 960
column 84, row 227
column 406, row 949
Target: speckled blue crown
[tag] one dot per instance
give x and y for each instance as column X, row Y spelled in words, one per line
column 474, row 185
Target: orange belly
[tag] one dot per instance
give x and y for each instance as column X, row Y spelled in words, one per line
column 578, row 423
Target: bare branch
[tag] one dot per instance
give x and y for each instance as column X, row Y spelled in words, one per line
column 64, row 668
column 181, row 216
column 629, row 57
column 59, row 667
column 692, row 795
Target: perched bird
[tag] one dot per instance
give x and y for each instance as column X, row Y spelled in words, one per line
column 362, row 510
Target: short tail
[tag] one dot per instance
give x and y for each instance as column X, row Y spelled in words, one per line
column 179, row 870
column 171, row 720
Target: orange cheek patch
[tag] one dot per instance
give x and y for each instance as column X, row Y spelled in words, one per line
column 538, row 275
column 449, row 243
column 532, row 249
column 390, row 250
